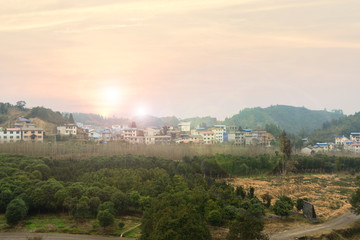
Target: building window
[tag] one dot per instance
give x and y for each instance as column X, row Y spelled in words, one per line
column 5, row 137
column 17, row 132
column 39, row 136
column 32, row 132
column 17, row 137
column 25, row 136
column 25, row 131
column 11, row 137
column 39, row 132
column 11, row 132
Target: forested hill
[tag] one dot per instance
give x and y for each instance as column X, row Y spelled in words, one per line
column 292, row 119
column 337, row 127
column 9, row 113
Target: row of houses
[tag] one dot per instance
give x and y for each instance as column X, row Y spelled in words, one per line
column 24, row 130
column 350, row 144
column 182, row 134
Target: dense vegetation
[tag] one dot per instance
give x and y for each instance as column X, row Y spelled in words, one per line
column 177, row 199
column 337, row 127
column 288, row 118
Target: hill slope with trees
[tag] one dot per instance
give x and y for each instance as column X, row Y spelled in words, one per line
column 291, row 119
column 336, row 127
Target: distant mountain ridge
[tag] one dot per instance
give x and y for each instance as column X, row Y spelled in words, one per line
column 291, row 119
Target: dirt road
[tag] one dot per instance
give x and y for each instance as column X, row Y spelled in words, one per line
column 54, row 236
column 338, row 222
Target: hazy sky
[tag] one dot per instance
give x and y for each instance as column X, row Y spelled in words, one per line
column 180, row 57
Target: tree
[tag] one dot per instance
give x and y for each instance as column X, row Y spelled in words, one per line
column 355, row 202
column 283, row 206
column 300, row 203
column 82, row 208
column 247, row 227
column 20, row 105
column 15, row 211
column 171, row 217
column 214, row 217
column 107, row 206
column 285, row 147
column 267, row 199
column 105, row 218
column 71, row 118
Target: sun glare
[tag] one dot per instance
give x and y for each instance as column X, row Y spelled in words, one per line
column 141, row 111
column 112, row 95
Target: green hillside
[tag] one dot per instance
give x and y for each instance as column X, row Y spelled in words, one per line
column 292, row 119
column 336, row 127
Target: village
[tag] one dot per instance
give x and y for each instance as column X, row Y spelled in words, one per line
column 24, row 130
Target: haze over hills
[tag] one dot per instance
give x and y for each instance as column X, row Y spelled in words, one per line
column 337, row 127
column 289, row 118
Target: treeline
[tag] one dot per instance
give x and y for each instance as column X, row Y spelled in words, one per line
column 270, row 164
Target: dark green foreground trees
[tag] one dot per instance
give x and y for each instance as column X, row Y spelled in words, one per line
column 16, row 211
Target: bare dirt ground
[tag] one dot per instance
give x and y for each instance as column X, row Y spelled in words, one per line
column 328, row 193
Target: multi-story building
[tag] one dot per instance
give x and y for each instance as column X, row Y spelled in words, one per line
column 106, row 135
column 219, row 132
column 239, row 138
column 355, row 137
column 32, row 134
column 341, row 141
column 152, row 131
column 129, row 133
column 184, row 127
column 67, row 129
column 23, row 123
column 157, row 139
column 208, row 137
column 355, row 147
column 9, row 135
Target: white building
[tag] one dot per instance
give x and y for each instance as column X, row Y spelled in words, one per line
column 355, row 137
column 94, row 135
column 152, row 131
column 219, row 131
column 157, row 139
column 67, row 129
column 341, row 141
column 184, row 126
column 10, row 135
column 208, row 137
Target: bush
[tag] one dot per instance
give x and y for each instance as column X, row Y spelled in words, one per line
column 215, row 217
column 105, row 218
column 110, row 206
column 121, row 224
column 300, row 203
column 283, row 206
column 16, row 211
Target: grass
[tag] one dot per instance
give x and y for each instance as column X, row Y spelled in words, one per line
column 65, row 224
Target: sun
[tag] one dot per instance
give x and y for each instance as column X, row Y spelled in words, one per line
column 109, row 100
column 112, row 95
column 141, row 111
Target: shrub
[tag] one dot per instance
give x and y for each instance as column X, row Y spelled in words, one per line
column 16, row 211
column 105, row 218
